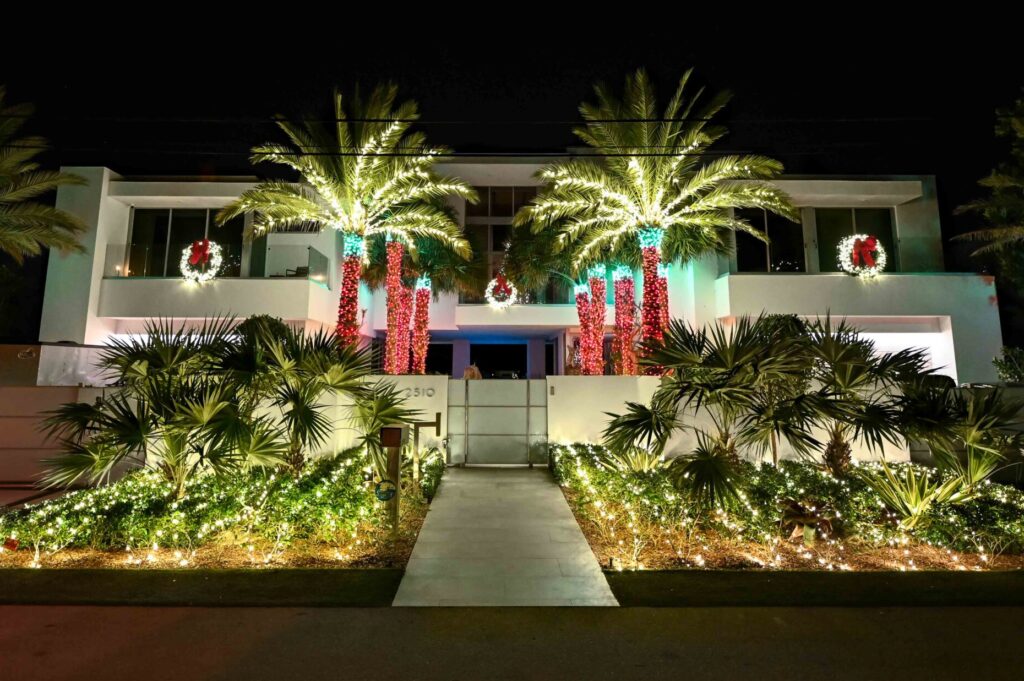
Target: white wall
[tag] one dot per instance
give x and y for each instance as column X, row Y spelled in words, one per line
column 290, row 299
column 578, row 404
column 71, row 298
column 963, row 304
column 428, row 394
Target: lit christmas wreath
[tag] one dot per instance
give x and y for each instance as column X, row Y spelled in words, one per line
column 861, row 254
column 201, row 261
column 501, row 293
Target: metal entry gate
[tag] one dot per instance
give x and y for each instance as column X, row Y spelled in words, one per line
column 493, row 421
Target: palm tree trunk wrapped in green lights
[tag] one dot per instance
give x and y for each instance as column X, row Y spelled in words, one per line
column 652, row 193
column 365, row 174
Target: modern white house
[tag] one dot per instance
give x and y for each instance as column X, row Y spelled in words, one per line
column 139, row 227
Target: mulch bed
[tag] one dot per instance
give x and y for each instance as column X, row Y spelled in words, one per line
column 711, row 550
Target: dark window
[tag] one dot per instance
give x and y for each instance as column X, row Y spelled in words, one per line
column 786, row 244
column 878, row 222
column 523, row 196
column 835, row 224
column 500, row 234
column 159, row 236
column 480, row 208
column 499, row 360
column 148, row 249
column 549, row 359
column 476, row 235
column 229, row 237
column 784, row 251
column 501, row 202
column 439, row 358
column 187, row 225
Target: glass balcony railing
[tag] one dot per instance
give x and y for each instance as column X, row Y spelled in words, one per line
column 292, row 262
column 287, row 261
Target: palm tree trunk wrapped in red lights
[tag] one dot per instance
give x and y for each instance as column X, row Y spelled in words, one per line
column 625, row 321
column 663, row 297
column 586, row 337
column 403, row 338
column 650, row 245
column 394, row 290
column 421, row 326
column 348, row 302
column 598, row 292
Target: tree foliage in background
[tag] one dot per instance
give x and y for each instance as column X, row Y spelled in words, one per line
column 27, row 226
column 1003, row 208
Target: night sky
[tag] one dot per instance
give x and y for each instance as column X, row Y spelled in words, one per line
column 863, row 100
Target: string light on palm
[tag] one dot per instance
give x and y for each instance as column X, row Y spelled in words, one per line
column 594, row 359
column 353, row 252
column 652, row 315
column 625, row 320
column 395, row 308
column 420, row 324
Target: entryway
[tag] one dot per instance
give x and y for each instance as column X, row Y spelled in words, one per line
column 502, row 536
column 494, row 421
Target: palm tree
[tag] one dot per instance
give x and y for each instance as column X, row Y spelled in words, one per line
column 1003, row 208
column 532, row 259
column 27, row 227
column 364, row 175
column 651, row 193
column 859, row 389
column 750, row 379
column 430, row 268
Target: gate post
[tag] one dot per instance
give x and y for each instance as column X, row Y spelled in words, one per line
column 391, row 439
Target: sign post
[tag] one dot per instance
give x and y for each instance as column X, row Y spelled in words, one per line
column 436, row 423
column 391, row 439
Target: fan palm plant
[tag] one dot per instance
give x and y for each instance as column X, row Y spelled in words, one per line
column 651, row 181
column 366, row 174
column 383, row 405
column 750, row 379
column 27, row 227
column 858, row 389
column 176, row 426
column 970, row 433
column 212, row 398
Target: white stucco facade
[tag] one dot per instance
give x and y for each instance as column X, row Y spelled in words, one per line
column 87, row 300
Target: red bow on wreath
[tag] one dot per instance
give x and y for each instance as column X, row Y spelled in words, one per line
column 501, row 289
column 200, row 253
column 864, row 249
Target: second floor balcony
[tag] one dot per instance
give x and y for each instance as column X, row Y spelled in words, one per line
column 290, row 282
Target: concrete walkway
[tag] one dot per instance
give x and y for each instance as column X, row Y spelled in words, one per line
column 502, row 536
